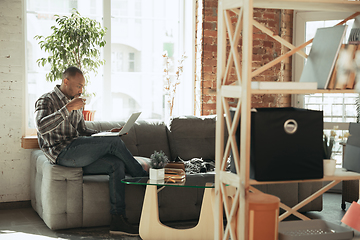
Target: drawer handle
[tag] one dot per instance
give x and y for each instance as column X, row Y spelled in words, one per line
column 290, row 126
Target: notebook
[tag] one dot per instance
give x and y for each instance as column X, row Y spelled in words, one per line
column 130, row 122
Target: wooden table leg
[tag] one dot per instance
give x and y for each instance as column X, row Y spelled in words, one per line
column 152, row 228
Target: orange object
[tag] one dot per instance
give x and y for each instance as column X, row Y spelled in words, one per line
column 88, row 115
column 352, row 216
column 263, row 216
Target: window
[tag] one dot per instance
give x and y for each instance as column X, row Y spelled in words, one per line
column 131, row 62
column 132, row 78
column 338, row 108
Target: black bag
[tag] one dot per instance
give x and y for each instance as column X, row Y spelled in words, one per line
column 286, row 144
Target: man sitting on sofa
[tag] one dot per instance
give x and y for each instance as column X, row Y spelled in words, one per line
column 65, row 140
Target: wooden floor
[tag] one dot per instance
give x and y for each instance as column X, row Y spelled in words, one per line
column 25, row 224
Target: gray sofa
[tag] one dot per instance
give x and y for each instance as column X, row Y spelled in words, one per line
column 65, row 198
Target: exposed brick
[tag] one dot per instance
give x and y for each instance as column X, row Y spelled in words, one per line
column 209, row 18
column 209, row 41
column 260, row 36
column 210, row 33
column 210, row 48
column 14, row 160
column 209, row 106
column 265, row 49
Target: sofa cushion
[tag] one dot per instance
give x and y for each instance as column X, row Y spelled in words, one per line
column 96, row 203
column 56, row 192
column 143, row 138
column 192, row 137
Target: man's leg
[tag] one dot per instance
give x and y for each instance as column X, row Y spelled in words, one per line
column 112, row 166
column 106, row 157
column 85, row 150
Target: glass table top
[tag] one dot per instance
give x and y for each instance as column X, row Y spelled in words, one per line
column 197, row 180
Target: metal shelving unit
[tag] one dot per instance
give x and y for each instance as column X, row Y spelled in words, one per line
column 236, row 209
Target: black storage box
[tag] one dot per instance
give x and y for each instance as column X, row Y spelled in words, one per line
column 286, row 144
column 352, row 149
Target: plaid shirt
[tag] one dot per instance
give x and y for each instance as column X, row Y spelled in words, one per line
column 56, row 126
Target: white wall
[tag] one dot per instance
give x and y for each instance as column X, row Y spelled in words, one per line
column 14, row 161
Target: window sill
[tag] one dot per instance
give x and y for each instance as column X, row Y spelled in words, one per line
column 29, row 142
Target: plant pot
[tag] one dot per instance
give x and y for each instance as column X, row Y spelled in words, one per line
column 157, row 174
column 329, row 167
column 88, row 115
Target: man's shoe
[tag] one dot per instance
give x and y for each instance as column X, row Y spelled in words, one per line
column 119, row 225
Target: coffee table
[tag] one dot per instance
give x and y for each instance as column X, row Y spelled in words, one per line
column 150, row 225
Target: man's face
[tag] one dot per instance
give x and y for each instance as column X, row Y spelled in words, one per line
column 74, row 86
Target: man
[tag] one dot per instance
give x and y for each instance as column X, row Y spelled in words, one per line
column 66, row 141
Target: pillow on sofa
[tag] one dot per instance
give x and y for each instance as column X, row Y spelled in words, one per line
column 192, row 137
column 144, row 162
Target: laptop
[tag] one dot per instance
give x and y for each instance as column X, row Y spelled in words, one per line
column 130, row 122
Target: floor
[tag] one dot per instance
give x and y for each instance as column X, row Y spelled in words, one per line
column 25, row 224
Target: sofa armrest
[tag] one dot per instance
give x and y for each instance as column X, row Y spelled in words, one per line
column 56, row 192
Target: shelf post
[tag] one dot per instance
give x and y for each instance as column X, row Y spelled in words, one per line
column 219, row 149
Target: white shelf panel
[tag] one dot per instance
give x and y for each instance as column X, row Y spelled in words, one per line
column 299, row 91
column 340, row 174
column 230, row 178
column 231, row 91
column 236, row 91
column 309, row 5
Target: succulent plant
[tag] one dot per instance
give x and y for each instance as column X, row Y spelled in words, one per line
column 158, row 160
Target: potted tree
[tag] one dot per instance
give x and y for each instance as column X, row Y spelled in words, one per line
column 75, row 41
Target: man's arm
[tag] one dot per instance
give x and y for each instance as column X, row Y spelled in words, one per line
column 46, row 118
column 83, row 130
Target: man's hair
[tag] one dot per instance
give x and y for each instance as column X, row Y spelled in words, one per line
column 71, row 72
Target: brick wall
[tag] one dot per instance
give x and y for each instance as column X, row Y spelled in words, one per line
column 14, row 161
column 265, row 49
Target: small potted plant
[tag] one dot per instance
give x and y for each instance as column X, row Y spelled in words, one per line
column 329, row 163
column 158, row 160
column 328, row 143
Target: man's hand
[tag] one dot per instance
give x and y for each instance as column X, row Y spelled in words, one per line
column 75, row 104
column 116, row 129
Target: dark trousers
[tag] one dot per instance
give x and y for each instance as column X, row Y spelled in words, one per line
column 103, row 155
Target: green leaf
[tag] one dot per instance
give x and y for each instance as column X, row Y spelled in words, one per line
column 74, row 39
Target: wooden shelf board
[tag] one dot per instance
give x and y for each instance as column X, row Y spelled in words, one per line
column 299, row 91
column 235, row 91
column 229, row 178
column 29, row 142
column 340, row 174
column 309, row 5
